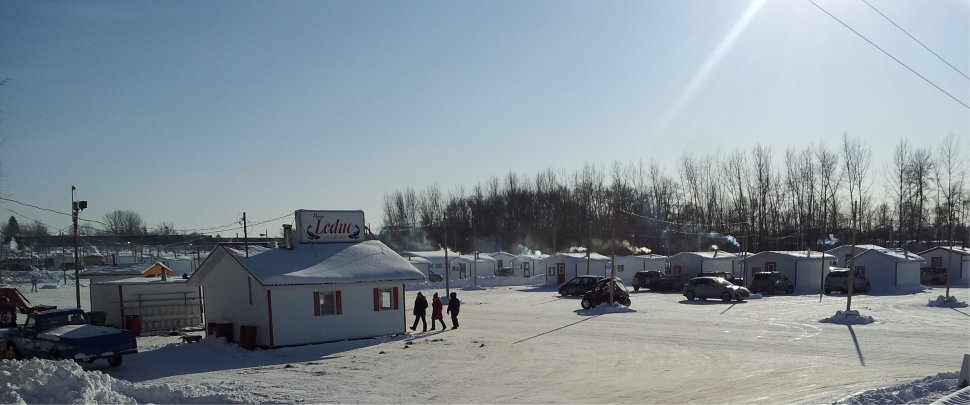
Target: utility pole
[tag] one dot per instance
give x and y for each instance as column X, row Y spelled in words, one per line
column 76, row 206
column 850, row 283
column 245, row 235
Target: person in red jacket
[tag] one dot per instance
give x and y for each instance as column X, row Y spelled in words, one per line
column 436, row 310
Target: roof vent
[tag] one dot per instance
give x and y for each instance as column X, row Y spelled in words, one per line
column 288, row 236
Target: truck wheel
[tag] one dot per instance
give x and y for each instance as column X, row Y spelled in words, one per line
column 114, row 360
column 7, row 351
column 7, row 317
column 690, row 295
column 626, row 302
column 636, row 288
column 726, row 297
column 586, row 304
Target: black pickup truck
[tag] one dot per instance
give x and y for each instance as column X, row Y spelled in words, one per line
column 657, row 281
column 66, row 334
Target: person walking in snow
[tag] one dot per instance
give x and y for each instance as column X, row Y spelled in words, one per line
column 33, row 283
column 436, row 310
column 420, row 309
column 453, row 306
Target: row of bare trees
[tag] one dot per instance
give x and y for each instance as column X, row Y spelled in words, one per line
column 810, row 198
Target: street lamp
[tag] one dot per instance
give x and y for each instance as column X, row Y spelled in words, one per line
column 76, row 207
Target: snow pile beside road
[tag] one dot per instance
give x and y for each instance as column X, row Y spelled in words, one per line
column 65, row 382
column 923, row 391
column 947, row 302
column 851, row 317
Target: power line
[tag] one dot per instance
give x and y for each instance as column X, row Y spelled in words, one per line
column 214, row 229
column 889, row 54
column 917, row 41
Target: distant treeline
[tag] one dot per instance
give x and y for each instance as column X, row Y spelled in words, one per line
column 752, row 200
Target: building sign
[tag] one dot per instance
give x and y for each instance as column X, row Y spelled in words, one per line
column 329, row 226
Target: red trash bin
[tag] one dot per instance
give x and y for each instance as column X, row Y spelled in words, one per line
column 133, row 323
column 247, row 337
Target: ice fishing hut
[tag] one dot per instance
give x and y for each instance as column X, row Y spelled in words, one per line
column 326, row 283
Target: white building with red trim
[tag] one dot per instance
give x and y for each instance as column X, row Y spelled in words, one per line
column 308, row 292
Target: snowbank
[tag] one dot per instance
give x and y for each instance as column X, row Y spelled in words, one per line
column 921, row 391
column 851, row 317
column 947, row 302
column 65, row 382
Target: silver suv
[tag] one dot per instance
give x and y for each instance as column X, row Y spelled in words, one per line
column 836, row 280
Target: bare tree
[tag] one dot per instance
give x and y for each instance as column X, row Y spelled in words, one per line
column 123, row 222
column 950, row 174
column 919, row 177
column 897, row 186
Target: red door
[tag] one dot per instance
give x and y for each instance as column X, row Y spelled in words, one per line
column 560, row 273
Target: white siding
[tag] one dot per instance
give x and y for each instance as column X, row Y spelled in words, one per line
column 227, row 290
column 163, row 306
column 907, row 274
column 294, row 321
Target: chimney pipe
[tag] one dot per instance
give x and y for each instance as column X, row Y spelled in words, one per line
column 288, row 236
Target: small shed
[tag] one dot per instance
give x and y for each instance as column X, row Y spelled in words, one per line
column 180, row 264
column 157, row 269
column 628, row 266
column 503, row 260
column 423, row 265
column 806, row 269
column 844, row 253
column 889, row 270
column 956, row 258
column 528, row 265
column 307, row 293
column 437, row 259
column 692, row 263
column 161, row 305
column 471, row 266
column 562, row 267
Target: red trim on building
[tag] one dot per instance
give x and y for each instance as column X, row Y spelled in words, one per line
column 121, row 304
column 269, row 307
column 396, row 306
column 339, row 303
column 316, row 303
column 377, row 299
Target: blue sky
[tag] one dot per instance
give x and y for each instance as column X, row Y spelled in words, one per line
column 194, row 112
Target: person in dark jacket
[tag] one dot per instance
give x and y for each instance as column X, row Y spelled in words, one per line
column 436, row 310
column 453, row 306
column 420, row 309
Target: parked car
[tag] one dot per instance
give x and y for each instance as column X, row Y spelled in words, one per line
column 600, row 293
column 646, row 279
column 771, row 282
column 670, row 282
column 836, row 280
column 504, row 272
column 714, row 287
column 434, row 277
column 723, row 274
column 66, row 334
column 578, row 285
column 932, row 275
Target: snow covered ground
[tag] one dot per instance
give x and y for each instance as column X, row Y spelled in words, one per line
column 524, row 344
